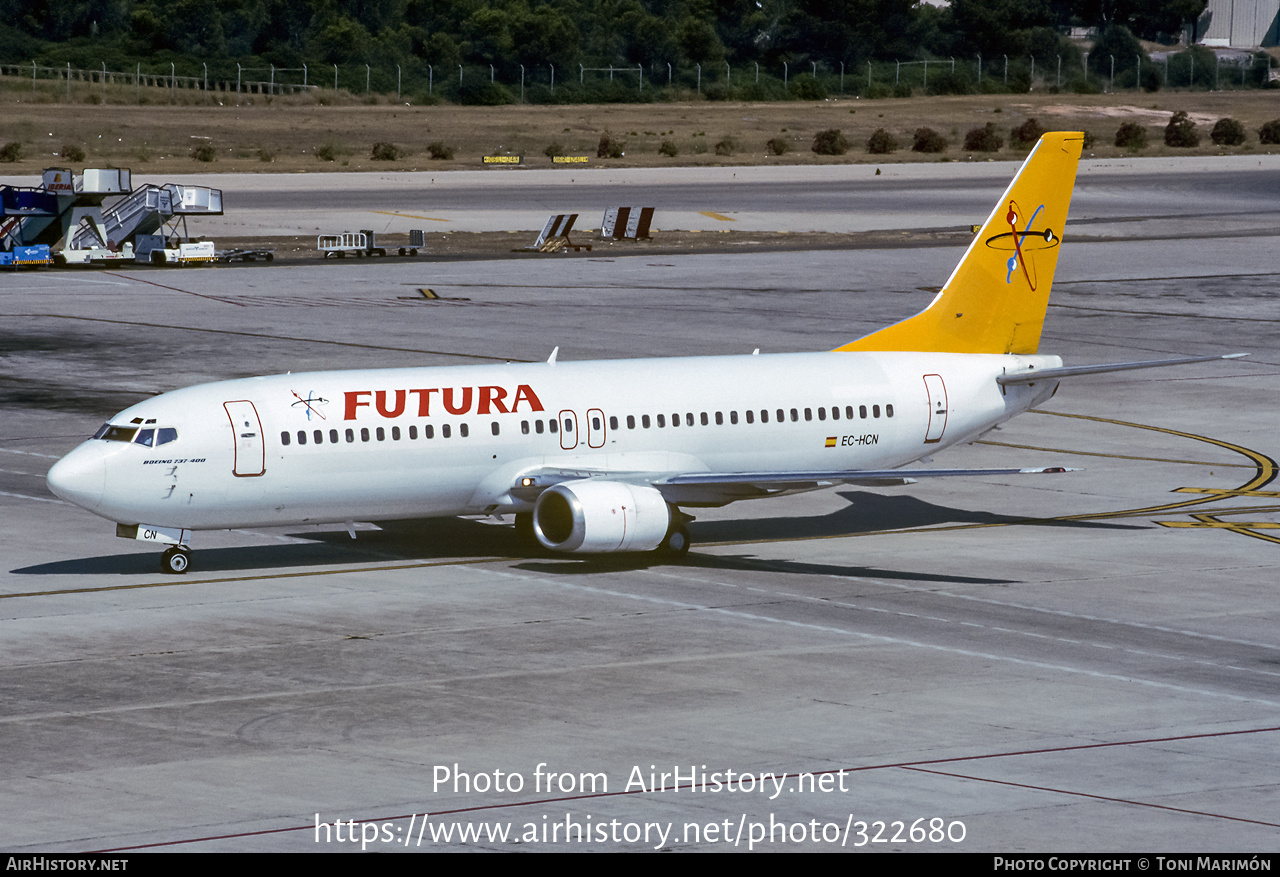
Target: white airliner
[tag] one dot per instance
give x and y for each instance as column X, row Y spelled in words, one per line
column 602, row 456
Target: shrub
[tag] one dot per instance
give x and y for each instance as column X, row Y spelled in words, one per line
column 928, row 140
column 806, row 87
column 881, row 143
column 12, row 151
column 668, row 149
column 725, row 146
column 830, row 142
column 266, row 153
column 1026, row 134
column 777, row 146
column 1227, row 132
column 72, row 152
column 1181, row 131
column 1268, row 133
column 984, row 139
column 608, row 147
column 383, row 151
column 1131, row 135
column 204, row 152
column 327, row 152
column 437, row 150
column 553, row 149
column 1089, row 139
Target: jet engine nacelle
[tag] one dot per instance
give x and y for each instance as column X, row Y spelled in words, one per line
column 593, row 516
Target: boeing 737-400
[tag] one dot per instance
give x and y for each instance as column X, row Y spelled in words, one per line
column 602, row 456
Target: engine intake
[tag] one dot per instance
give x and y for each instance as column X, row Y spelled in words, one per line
column 596, row 517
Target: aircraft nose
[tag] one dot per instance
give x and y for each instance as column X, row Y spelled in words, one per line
column 80, row 477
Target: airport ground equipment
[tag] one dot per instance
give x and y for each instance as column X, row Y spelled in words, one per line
column 554, row 236
column 148, row 208
column 364, row 243
column 156, row 249
column 242, row 254
column 22, row 208
column 627, row 223
column 26, row 256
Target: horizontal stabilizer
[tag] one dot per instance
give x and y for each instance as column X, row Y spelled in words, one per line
column 1044, row 374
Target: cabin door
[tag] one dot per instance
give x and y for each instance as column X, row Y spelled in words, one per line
column 937, row 391
column 250, row 459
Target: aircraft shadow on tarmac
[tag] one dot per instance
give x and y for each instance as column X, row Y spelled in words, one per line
column 426, row 539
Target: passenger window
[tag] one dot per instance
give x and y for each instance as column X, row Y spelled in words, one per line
column 364, row 433
column 675, row 420
column 595, row 422
column 284, row 438
column 538, row 426
column 764, row 415
column 395, row 433
column 552, row 426
column 862, row 411
column 875, row 410
column 688, row 419
column 644, row 421
column 382, row 434
column 444, row 431
column 848, row 412
column 822, row 413
column 631, row 421
column 351, row 435
column 413, row 433
column 782, row 415
column 835, row 412
column 795, row 415
column 318, row 436
column 524, row 427
column 568, row 425
column 613, row 422
column 719, row 419
column 429, row 431
column 733, row 417
column 494, row 427
column 333, row 436
column 302, row 436
column 888, row 411
column 462, row 430
column 808, row 414
column 662, row 421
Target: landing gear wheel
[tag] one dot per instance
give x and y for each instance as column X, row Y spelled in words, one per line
column 676, row 543
column 176, row 560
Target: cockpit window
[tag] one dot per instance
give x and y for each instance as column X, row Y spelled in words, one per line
column 111, row 433
column 149, row 437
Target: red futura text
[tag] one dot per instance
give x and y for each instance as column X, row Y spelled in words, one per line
column 456, row 400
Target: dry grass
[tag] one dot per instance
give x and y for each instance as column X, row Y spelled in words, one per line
column 285, row 134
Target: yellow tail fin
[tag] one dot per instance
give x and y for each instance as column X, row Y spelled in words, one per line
column 995, row 300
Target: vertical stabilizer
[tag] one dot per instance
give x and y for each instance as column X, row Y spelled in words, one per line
column 995, row 300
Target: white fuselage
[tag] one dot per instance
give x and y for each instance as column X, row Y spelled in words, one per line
column 382, row 444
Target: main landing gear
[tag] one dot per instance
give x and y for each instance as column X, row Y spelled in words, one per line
column 176, row 560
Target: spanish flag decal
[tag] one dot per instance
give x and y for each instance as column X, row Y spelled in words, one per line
column 831, row 441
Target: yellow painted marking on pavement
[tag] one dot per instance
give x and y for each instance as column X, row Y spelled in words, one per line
column 173, row 583
column 719, row 216
column 1221, row 492
column 412, row 216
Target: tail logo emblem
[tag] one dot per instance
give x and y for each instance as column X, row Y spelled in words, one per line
column 1023, row 243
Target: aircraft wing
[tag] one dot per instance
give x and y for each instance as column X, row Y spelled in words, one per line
column 1052, row 374
column 719, row 488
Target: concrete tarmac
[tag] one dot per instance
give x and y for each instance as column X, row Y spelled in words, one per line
column 1083, row 662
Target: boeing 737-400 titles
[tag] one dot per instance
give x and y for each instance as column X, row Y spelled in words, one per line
column 602, row 456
